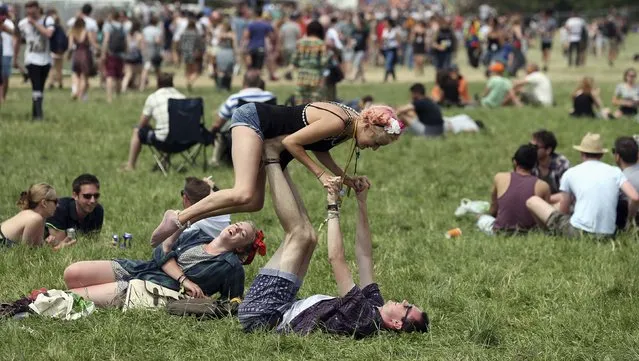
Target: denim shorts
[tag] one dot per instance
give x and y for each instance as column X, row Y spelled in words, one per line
column 6, row 67
column 272, row 293
column 246, row 116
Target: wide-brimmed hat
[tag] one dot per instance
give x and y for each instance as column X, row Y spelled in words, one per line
column 591, row 143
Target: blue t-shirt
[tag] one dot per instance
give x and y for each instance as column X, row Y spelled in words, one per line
column 258, row 30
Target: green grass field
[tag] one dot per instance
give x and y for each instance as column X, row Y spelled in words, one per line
column 528, row 297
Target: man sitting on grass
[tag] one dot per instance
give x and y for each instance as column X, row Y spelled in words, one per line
column 499, row 90
column 594, row 186
column 430, row 121
column 511, row 190
column 626, row 153
column 271, row 304
column 550, row 164
column 535, row 89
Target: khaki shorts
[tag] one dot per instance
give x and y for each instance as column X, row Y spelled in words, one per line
column 559, row 224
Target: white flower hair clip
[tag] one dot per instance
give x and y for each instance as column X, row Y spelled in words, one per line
column 393, row 127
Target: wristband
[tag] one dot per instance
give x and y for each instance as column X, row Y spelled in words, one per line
column 332, row 207
column 320, row 175
column 181, row 279
column 332, row 215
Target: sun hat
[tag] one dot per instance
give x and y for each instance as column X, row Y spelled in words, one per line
column 591, row 143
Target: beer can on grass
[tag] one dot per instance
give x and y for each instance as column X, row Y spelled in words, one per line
column 71, row 233
column 127, row 239
column 116, row 240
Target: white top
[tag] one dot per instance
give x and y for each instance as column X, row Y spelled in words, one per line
column 89, row 24
column 595, row 186
column 37, row 50
column 389, row 37
column 575, row 25
column 632, row 173
column 157, row 107
column 151, row 34
column 460, row 123
column 333, row 35
column 7, row 39
column 213, row 226
column 298, row 307
column 540, row 87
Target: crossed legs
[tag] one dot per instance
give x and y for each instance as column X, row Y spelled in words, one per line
column 93, row 280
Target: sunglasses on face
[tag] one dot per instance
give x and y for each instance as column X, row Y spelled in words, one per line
column 408, row 307
column 55, row 201
column 88, row 196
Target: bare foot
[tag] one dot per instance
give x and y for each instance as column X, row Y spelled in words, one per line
column 166, row 228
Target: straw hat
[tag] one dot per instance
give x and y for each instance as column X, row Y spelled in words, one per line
column 591, row 143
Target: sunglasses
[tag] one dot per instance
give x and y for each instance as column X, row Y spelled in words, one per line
column 55, row 201
column 408, row 308
column 88, row 196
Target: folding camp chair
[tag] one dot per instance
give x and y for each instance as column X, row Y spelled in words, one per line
column 187, row 136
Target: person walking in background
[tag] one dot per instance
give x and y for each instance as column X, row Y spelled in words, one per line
column 7, row 38
column 36, row 30
column 576, row 28
column 152, row 55
column 59, row 45
column 81, row 58
column 418, row 40
column 225, row 56
column 93, row 29
column 290, row 33
column 547, row 28
column 192, row 48
column 361, row 35
column 114, row 47
column 310, row 60
column 133, row 61
column 390, row 45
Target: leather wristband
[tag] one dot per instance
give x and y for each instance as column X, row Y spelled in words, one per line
column 332, row 207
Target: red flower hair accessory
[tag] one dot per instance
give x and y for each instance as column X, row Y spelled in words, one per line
column 258, row 246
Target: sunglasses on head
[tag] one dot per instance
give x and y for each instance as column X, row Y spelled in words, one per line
column 88, row 196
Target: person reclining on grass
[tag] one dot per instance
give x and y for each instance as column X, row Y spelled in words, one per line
column 511, row 190
column 271, row 301
column 36, row 204
column 201, row 263
column 594, row 186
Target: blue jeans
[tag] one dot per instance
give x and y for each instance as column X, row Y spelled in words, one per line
column 390, row 56
column 5, row 67
column 442, row 60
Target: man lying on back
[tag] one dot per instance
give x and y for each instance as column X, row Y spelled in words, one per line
column 271, row 301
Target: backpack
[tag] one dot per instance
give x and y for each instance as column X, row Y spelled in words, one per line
column 59, row 42
column 117, row 41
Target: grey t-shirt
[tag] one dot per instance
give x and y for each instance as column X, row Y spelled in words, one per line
column 289, row 33
column 632, row 173
column 625, row 92
column 547, row 28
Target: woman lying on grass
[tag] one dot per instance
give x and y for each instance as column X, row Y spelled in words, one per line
column 317, row 127
column 202, row 264
column 37, row 204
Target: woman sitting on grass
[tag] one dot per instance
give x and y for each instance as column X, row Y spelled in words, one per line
column 200, row 263
column 626, row 95
column 317, row 127
column 37, row 204
column 586, row 101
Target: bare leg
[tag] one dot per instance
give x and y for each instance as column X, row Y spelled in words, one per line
column 81, row 82
column 88, row 273
column 103, row 295
column 247, row 154
column 134, row 150
column 109, row 88
column 540, row 209
column 128, row 74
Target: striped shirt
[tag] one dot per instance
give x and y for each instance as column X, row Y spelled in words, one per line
column 251, row 95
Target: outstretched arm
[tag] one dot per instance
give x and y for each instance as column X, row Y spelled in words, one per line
column 363, row 243
column 336, row 256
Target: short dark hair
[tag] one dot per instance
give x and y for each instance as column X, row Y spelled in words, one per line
column 422, row 325
column 418, row 88
column 87, row 9
column 196, row 189
column 31, row 4
column 627, row 149
column 367, row 99
column 316, row 29
column 252, row 78
column 593, row 155
column 526, row 156
column 165, row 80
column 84, row 179
column 547, row 138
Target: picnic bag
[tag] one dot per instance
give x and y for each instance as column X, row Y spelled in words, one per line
column 146, row 294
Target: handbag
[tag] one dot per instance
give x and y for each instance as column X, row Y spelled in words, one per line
column 148, row 295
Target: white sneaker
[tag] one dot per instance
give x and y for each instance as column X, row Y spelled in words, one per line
column 475, row 207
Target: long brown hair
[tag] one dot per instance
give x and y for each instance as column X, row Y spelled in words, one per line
column 78, row 27
column 35, row 194
column 586, row 85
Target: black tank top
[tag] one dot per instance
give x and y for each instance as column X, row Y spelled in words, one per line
column 445, row 37
column 493, row 43
column 277, row 120
column 419, row 43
